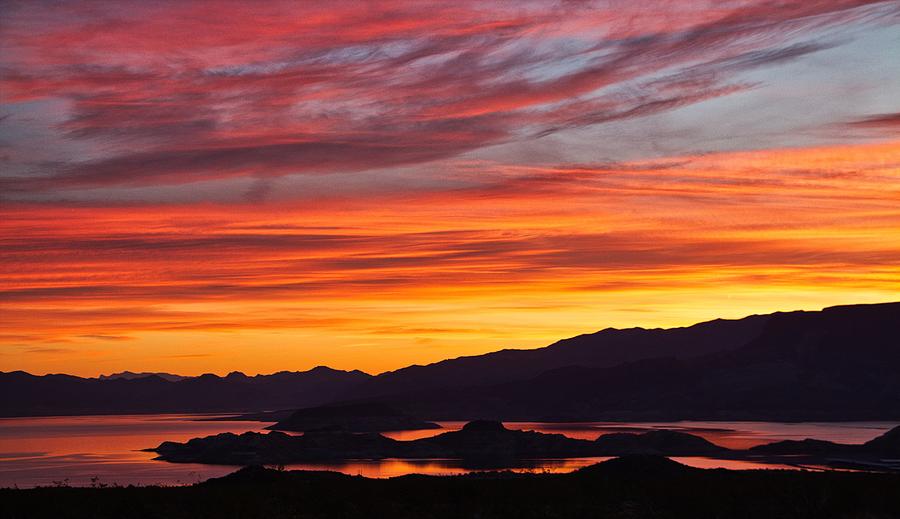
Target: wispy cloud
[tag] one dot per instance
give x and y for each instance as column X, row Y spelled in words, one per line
column 277, row 89
column 276, row 185
column 889, row 122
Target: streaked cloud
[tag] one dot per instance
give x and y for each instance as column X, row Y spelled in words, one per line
column 176, row 92
column 264, row 186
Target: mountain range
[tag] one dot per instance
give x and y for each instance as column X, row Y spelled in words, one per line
column 130, row 375
column 24, row 394
column 841, row 363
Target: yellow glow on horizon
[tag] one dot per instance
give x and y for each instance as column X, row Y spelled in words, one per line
column 527, row 257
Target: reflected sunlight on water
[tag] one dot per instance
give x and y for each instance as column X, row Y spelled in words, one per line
column 734, row 435
column 41, row 451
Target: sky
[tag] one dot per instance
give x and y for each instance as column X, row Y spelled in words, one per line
column 201, row 187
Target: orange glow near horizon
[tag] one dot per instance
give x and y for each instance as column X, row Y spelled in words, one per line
column 527, row 258
column 196, row 187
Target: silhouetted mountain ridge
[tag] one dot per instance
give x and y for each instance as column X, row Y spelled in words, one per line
column 357, row 417
column 886, row 445
column 31, row 395
column 604, row 348
column 130, row 375
column 842, row 363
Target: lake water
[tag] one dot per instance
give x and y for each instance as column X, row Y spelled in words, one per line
column 42, row 451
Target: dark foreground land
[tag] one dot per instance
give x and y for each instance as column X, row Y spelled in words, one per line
column 632, row 487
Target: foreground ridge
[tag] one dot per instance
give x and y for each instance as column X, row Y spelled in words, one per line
column 633, row 487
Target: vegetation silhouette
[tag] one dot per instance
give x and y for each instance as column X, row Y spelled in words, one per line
column 628, row 487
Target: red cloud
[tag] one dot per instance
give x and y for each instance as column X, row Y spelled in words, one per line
column 183, row 91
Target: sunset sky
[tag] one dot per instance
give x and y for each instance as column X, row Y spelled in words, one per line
column 260, row 186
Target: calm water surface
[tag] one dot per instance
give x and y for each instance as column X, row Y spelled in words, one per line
column 41, row 451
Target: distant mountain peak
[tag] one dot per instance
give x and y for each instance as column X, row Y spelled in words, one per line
column 130, row 392
column 492, row 426
column 833, row 364
column 131, row 375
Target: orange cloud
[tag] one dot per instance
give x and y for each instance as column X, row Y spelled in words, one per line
column 522, row 256
column 274, row 185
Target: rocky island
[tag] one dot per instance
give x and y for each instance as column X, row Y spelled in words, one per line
column 356, row 418
column 491, row 441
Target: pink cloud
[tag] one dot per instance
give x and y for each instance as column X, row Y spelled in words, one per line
column 176, row 92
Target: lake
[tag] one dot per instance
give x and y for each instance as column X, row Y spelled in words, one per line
column 77, row 450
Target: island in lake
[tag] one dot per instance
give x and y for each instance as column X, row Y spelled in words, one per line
column 489, row 442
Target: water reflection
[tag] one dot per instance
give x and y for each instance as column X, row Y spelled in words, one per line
column 399, row 467
column 47, row 450
column 437, row 467
column 734, row 435
column 41, row 451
